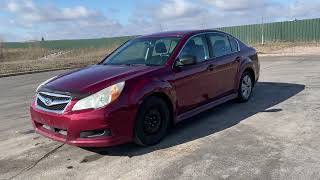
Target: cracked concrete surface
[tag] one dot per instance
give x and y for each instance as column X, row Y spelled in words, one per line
column 273, row 136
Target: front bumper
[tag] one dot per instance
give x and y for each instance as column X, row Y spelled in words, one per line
column 119, row 122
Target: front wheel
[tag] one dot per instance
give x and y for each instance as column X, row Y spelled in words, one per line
column 152, row 121
column 245, row 87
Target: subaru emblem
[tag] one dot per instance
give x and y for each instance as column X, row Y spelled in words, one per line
column 47, row 101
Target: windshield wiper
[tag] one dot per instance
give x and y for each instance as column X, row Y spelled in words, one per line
column 152, row 64
column 132, row 64
column 117, row 64
column 128, row 64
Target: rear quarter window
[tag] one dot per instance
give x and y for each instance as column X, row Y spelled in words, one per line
column 234, row 44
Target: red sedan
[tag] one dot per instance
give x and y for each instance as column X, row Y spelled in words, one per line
column 144, row 87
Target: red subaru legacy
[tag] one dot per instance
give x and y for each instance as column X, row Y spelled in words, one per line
column 146, row 85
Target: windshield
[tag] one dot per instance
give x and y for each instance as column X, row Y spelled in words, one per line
column 150, row 51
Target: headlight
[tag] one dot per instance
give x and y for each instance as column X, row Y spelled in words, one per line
column 101, row 98
column 45, row 82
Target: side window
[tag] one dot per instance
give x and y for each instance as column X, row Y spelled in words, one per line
column 220, row 45
column 196, row 47
column 234, row 44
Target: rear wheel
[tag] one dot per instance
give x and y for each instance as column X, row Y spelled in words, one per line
column 152, row 121
column 245, row 87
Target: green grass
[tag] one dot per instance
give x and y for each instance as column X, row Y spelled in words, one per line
column 72, row 44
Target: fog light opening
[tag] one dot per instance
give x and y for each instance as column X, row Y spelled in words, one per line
column 95, row 133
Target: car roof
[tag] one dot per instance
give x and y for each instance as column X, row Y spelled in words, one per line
column 177, row 33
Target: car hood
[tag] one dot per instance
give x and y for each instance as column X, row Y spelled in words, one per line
column 94, row 78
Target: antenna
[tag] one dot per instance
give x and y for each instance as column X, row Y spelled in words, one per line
column 160, row 26
column 262, row 30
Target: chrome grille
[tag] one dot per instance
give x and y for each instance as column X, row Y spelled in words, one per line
column 52, row 102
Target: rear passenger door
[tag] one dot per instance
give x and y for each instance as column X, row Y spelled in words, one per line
column 225, row 59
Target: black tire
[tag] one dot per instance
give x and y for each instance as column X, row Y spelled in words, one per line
column 148, row 131
column 242, row 96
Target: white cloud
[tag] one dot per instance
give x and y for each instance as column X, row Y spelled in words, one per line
column 171, row 9
column 56, row 23
column 171, row 15
column 77, row 12
column 28, row 12
column 13, row 7
column 36, row 20
column 300, row 9
column 237, row 5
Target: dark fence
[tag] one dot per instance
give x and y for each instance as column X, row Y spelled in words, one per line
column 307, row 30
column 289, row 31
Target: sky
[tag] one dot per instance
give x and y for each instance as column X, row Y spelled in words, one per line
column 24, row 20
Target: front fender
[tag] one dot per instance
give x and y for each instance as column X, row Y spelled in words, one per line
column 146, row 87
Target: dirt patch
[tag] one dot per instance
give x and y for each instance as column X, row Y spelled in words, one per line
column 91, row 158
column 38, row 59
column 27, row 132
column 288, row 49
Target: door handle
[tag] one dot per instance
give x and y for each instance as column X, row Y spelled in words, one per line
column 210, row 67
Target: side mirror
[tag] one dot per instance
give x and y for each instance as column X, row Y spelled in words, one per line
column 186, row 60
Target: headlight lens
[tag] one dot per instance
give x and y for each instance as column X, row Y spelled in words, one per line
column 45, row 82
column 101, row 98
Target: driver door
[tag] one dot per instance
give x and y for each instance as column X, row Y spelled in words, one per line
column 191, row 80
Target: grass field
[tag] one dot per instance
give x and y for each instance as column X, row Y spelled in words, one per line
column 45, row 55
column 72, row 44
column 38, row 58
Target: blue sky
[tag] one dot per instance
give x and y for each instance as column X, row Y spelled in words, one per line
column 22, row 20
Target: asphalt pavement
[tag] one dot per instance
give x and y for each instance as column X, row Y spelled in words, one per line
column 275, row 135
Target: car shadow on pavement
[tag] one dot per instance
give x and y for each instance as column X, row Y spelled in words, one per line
column 265, row 96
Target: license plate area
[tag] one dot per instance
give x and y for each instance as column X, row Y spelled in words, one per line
column 56, row 130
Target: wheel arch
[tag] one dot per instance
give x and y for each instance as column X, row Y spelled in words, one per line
column 251, row 71
column 246, row 67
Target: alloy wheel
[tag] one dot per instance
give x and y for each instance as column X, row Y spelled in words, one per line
column 246, row 87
